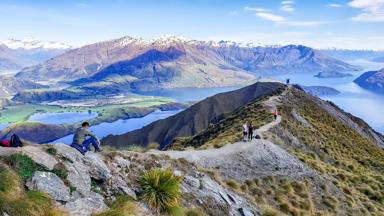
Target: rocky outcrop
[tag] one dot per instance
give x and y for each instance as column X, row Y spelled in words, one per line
column 49, row 183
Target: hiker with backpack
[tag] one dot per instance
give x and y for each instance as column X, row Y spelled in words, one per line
column 245, row 131
column 83, row 139
column 250, row 131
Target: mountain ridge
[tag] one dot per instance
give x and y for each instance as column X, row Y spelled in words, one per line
column 205, row 63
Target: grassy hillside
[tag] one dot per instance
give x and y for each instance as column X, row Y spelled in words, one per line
column 353, row 163
column 348, row 161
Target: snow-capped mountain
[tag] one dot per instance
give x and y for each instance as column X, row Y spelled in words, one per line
column 16, row 54
column 33, row 43
column 171, row 61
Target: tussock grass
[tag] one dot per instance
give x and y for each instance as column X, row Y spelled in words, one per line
column 353, row 162
column 160, row 189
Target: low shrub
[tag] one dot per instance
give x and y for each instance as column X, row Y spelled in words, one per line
column 160, row 189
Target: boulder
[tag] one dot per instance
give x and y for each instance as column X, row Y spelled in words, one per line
column 96, row 167
column 85, row 206
column 49, row 183
column 40, row 156
column 121, row 162
column 78, row 176
column 116, row 185
column 68, row 153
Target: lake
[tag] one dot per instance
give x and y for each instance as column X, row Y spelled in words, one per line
column 187, row 94
column 122, row 126
column 353, row 99
column 62, row 118
column 3, row 125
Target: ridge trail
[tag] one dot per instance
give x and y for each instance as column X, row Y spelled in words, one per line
column 248, row 160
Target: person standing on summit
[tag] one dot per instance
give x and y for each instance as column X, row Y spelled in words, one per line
column 83, row 139
column 245, row 131
column 275, row 114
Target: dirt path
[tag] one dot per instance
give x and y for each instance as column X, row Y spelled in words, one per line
column 248, row 160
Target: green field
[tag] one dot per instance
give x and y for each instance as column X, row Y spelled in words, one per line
column 20, row 113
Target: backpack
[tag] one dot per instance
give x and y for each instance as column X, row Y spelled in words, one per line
column 5, row 143
column 15, row 141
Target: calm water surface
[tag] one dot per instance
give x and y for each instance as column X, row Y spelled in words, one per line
column 122, row 126
column 62, row 118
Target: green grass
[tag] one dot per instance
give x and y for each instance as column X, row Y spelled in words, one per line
column 353, row 162
column 228, row 130
column 122, row 206
column 23, row 165
column 16, row 202
column 160, row 189
column 20, row 113
column 60, row 171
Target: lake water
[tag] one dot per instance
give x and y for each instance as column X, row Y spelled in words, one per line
column 122, row 126
column 62, row 118
column 3, row 125
column 187, row 94
column 353, row 99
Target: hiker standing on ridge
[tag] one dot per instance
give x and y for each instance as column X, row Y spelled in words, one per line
column 245, row 131
column 275, row 114
column 250, row 131
column 83, row 139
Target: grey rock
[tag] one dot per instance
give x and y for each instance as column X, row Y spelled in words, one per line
column 118, row 185
column 78, row 176
column 245, row 212
column 39, row 156
column 85, row 206
column 121, row 162
column 96, row 167
column 68, row 152
column 49, row 183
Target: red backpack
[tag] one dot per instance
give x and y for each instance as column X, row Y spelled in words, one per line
column 5, row 143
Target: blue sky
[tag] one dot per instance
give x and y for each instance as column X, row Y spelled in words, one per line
column 354, row 24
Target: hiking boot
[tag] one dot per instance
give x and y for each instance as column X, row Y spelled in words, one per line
column 98, row 150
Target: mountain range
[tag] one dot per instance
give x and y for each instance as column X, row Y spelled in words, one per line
column 16, row 54
column 169, row 62
column 9, row 86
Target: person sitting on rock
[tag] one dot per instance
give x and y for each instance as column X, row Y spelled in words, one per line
column 83, row 139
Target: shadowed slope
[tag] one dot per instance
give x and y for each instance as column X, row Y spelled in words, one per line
column 195, row 119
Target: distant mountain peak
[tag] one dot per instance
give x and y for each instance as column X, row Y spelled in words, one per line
column 33, row 43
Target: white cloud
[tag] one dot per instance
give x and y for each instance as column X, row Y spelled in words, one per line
column 371, row 10
column 302, row 23
column 287, row 6
column 270, row 17
column 255, row 9
column 334, row 5
column 233, row 12
column 83, row 5
column 287, row 2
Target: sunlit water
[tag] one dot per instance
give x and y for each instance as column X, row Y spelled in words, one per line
column 122, row 126
column 353, row 99
column 62, row 118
